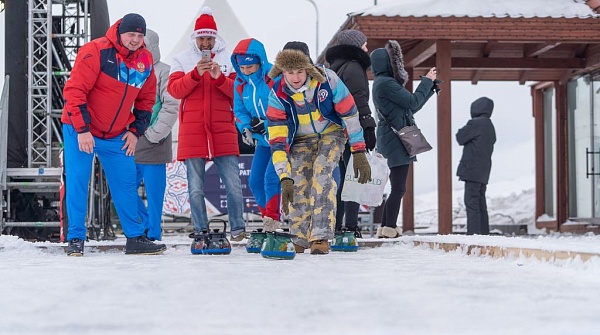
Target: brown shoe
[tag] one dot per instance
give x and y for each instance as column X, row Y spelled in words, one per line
column 319, row 247
column 299, row 249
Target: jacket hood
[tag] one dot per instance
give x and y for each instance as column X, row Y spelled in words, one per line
column 337, row 55
column 291, row 59
column 380, row 63
column 482, row 107
column 251, row 46
column 219, row 46
column 151, row 40
column 397, row 61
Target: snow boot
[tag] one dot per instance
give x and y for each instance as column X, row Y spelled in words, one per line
column 270, row 224
column 389, row 232
column 75, row 247
column 344, row 240
column 141, row 245
column 278, row 245
column 255, row 242
column 319, row 247
column 379, row 233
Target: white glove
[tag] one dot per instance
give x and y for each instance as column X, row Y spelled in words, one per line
column 247, row 137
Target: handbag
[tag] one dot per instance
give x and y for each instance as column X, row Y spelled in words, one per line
column 371, row 193
column 411, row 137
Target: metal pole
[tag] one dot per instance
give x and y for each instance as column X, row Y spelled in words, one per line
column 317, row 26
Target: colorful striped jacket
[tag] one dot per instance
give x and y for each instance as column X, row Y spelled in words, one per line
column 319, row 110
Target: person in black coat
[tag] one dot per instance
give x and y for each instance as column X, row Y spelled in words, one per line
column 350, row 61
column 478, row 137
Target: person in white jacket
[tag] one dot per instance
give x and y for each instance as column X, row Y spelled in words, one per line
column 154, row 149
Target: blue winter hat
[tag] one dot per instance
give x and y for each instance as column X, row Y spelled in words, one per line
column 245, row 59
column 132, row 23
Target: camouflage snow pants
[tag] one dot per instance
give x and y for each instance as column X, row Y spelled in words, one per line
column 312, row 160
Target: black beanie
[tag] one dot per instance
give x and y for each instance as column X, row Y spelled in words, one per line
column 297, row 45
column 132, row 23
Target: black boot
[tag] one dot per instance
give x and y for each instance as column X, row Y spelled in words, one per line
column 75, row 247
column 141, row 245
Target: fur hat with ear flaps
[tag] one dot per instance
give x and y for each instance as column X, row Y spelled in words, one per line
column 395, row 52
column 291, row 59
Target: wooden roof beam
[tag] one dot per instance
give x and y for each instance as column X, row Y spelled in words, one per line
column 513, row 63
column 419, row 53
column 523, row 76
column 487, row 48
column 476, row 77
column 564, row 78
column 534, row 50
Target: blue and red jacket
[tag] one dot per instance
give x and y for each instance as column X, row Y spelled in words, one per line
column 251, row 93
column 107, row 80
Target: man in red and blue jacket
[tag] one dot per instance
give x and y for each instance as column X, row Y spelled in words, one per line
column 108, row 105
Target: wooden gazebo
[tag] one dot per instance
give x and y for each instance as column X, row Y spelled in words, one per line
column 493, row 46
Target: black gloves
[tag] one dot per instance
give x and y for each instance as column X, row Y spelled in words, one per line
column 370, row 138
column 258, row 126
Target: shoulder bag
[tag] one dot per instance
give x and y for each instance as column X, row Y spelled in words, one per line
column 411, row 137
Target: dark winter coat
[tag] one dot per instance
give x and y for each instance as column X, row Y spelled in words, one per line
column 478, row 137
column 350, row 63
column 394, row 101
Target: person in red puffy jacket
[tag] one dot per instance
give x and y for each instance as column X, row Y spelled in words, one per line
column 202, row 78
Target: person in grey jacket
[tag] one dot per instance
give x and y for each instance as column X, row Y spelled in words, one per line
column 154, row 148
column 478, row 137
column 398, row 105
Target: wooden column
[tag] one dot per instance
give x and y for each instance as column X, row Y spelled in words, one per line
column 538, row 115
column 443, row 64
column 562, row 156
column 408, row 200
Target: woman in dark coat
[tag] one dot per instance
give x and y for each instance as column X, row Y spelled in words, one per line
column 398, row 105
column 349, row 59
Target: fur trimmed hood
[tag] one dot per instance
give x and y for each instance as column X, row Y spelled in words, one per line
column 290, row 59
column 397, row 61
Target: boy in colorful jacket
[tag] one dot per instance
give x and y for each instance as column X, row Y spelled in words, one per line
column 311, row 116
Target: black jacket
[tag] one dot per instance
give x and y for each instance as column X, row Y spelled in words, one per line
column 478, row 137
column 351, row 64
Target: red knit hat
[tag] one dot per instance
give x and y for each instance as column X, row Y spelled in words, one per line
column 205, row 24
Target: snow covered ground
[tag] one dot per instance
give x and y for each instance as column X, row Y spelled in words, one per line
column 397, row 288
column 394, row 289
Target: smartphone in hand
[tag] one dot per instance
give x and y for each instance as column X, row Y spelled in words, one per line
column 206, row 54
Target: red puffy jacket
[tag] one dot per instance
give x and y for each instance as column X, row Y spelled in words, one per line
column 206, row 120
column 107, row 80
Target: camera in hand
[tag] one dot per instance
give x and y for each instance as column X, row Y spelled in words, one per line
column 436, row 85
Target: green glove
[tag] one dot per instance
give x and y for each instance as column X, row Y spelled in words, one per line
column 361, row 164
column 287, row 193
